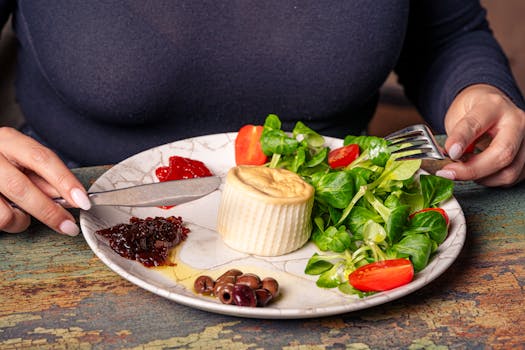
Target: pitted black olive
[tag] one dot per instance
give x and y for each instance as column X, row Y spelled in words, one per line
column 204, row 285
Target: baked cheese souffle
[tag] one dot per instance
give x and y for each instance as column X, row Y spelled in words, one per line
column 265, row 211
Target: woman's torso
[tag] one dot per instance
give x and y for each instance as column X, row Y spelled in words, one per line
column 99, row 81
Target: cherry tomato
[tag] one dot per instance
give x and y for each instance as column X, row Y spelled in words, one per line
column 439, row 210
column 248, row 150
column 382, row 275
column 341, row 157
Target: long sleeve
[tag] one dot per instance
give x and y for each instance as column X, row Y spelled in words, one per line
column 450, row 46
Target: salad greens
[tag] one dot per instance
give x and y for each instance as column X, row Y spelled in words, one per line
column 363, row 212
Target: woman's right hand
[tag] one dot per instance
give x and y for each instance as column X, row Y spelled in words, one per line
column 30, row 176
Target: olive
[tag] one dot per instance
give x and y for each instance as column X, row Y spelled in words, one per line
column 231, row 272
column 236, row 287
column 224, row 292
column 229, row 276
column 244, row 295
column 251, row 280
column 226, row 279
column 263, row 296
column 218, row 285
column 271, row 285
column 204, row 285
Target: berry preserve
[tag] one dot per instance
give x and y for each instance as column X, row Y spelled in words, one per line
column 146, row 240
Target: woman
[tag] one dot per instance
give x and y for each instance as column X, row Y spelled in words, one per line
column 98, row 82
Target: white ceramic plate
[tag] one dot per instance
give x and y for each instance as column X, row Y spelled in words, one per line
column 204, row 250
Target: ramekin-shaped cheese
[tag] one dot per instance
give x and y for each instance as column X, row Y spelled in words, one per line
column 265, row 211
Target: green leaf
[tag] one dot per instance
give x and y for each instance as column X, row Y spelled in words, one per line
column 335, row 239
column 317, row 264
column 435, row 189
column 330, row 278
column 320, row 239
column 374, row 232
column 375, row 147
column 318, row 158
column 431, row 222
column 276, row 141
column 298, row 160
column 359, row 216
column 335, row 189
column 398, row 170
column 312, row 138
column 396, row 223
column 272, row 122
column 413, row 199
column 418, row 247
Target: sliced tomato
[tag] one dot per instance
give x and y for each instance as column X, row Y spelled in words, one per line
column 439, row 210
column 248, row 150
column 341, row 157
column 382, row 275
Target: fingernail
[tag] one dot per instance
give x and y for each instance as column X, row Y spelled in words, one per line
column 69, row 228
column 447, row 174
column 81, row 199
column 455, row 151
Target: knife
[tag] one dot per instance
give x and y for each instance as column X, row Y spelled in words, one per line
column 154, row 194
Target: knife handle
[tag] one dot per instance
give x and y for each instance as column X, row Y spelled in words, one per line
column 62, row 202
column 58, row 200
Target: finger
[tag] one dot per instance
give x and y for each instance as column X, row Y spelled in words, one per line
column 509, row 175
column 467, row 130
column 12, row 219
column 17, row 187
column 42, row 184
column 500, row 154
column 30, row 154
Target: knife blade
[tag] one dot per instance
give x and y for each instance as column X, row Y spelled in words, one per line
column 153, row 194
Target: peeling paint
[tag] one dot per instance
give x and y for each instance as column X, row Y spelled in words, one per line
column 55, row 294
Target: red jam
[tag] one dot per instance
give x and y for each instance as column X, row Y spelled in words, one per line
column 181, row 168
column 146, row 240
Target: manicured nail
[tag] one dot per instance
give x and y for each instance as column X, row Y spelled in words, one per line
column 447, row 174
column 455, row 151
column 69, row 228
column 81, row 199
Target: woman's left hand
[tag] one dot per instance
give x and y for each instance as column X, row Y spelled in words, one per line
column 484, row 115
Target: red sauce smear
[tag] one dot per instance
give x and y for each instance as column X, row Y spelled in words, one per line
column 181, row 168
column 146, row 240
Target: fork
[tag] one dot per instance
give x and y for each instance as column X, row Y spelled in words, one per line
column 414, row 142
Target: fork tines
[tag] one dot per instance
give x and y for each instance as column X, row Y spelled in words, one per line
column 414, row 142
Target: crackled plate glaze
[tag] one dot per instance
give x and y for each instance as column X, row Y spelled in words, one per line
column 204, row 251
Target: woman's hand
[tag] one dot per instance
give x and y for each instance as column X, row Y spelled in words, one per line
column 30, row 175
column 484, row 115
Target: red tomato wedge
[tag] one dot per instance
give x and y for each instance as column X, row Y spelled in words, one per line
column 439, row 210
column 248, row 150
column 382, row 275
column 341, row 157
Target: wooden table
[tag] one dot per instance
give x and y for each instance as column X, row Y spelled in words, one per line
column 55, row 293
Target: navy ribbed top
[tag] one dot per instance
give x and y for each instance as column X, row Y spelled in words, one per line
column 98, row 81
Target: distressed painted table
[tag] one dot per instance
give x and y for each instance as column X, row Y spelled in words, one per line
column 56, row 294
